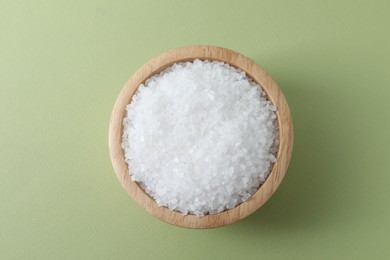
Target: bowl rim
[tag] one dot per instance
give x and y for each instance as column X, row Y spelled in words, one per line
column 256, row 73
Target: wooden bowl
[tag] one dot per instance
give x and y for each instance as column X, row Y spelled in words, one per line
column 254, row 71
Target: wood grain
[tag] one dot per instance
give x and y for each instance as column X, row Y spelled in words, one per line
column 254, row 71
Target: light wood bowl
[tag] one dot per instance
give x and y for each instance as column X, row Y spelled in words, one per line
column 254, row 71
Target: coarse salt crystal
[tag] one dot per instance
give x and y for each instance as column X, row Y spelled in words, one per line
column 200, row 137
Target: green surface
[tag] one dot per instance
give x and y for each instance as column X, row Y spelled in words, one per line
column 63, row 63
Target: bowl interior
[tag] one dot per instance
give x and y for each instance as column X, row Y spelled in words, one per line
column 253, row 71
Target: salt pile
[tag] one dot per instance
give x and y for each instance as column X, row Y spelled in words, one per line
column 200, row 137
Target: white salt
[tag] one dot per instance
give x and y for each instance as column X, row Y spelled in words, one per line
column 200, row 137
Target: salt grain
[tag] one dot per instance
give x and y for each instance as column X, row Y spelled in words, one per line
column 200, row 137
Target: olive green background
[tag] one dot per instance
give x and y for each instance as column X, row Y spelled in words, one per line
column 63, row 63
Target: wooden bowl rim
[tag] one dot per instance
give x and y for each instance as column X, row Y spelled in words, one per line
column 255, row 72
